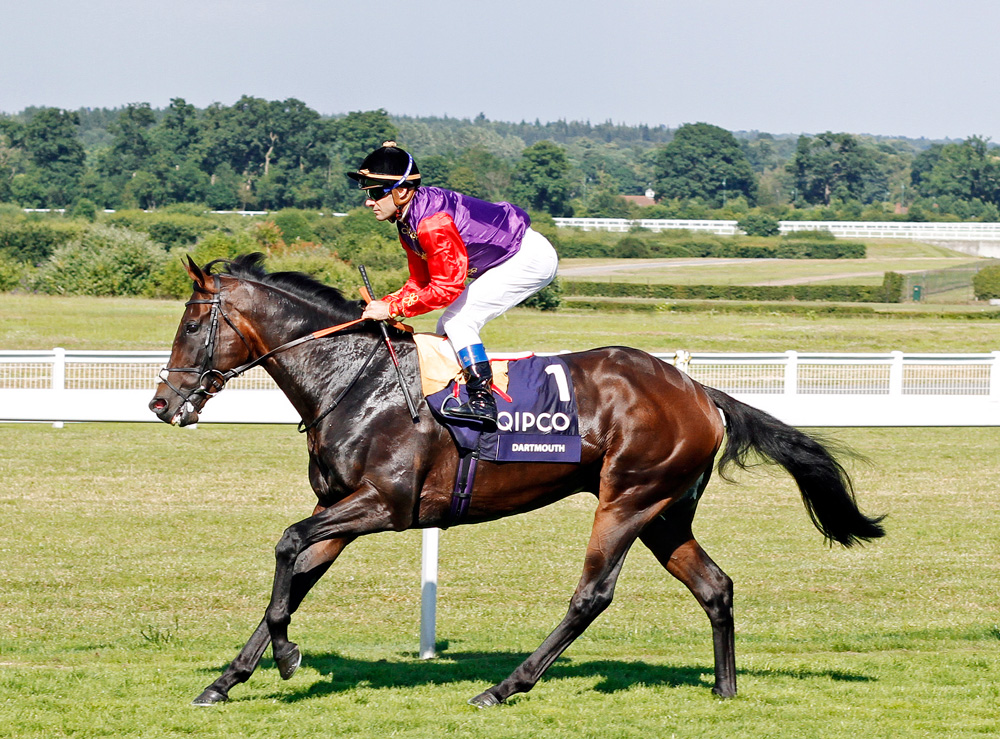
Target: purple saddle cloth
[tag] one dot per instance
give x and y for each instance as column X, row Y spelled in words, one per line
column 538, row 423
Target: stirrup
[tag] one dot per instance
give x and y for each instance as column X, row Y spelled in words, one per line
column 469, row 412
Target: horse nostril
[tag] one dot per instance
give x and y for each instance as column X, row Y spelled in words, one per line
column 157, row 405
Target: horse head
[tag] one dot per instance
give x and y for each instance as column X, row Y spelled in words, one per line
column 208, row 345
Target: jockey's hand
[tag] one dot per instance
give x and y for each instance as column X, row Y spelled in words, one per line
column 377, row 310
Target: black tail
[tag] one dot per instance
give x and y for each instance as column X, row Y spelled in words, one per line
column 826, row 487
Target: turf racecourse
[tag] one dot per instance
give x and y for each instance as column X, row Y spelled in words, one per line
column 136, row 559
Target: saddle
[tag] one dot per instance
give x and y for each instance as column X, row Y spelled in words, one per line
column 537, row 418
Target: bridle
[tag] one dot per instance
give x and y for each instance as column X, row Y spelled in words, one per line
column 212, row 381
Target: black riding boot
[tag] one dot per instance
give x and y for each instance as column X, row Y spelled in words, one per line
column 481, row 405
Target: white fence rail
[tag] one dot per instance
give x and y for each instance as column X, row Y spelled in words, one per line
column 803, row 389
column 842, row 229
column 973, row 231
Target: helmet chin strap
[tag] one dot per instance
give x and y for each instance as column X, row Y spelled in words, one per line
column 400, row 201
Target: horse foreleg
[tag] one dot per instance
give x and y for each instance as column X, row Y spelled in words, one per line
column 609, row 543
column 364, row 512
column 670, row 540
column 309, row 568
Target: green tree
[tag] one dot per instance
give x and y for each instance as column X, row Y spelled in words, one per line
column 50, row 139
column 986, row 283
column 27, row 191
column 14, row 159
column 479, row 173
column 358, row 134
column 177, row 135
column 923, row 164
column 967, row 171
column 618, row 169
column 540, row 180
column 435, row 170
column 133, row 144
column 838, row 166
column 705, row 162
column 759, row 224
column 143, row 190
column 185, row 183
column 275, row 146
column 224, row 189
column 605, row 203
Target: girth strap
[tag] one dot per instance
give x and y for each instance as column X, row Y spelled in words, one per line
column 461, row 496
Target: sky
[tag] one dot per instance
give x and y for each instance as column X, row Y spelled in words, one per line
column 913, row 68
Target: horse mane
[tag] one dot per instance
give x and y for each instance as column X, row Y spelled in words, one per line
column 324, row 297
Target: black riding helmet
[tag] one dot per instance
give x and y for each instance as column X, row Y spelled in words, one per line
column 387, row 168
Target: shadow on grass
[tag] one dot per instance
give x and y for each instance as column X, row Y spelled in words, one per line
column 487, row 668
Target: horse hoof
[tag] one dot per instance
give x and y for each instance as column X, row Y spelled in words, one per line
column 486, row 699
column 288, row 661
column 724, row 693
column 209, row 698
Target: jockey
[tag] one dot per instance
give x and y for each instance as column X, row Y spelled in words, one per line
column 449, row 238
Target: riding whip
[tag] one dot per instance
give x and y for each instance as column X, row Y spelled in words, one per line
column 392, row 352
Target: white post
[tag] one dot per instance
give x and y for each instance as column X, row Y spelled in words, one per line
column 58, row 375
column 792, row 373
column 428, row 593
column 896, row 374
column 682, row 361
column 995, row 376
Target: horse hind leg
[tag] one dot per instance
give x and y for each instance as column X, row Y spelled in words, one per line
column 610, row 541
column 310, row 568
column 670, row 540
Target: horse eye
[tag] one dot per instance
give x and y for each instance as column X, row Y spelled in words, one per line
column 191, row 327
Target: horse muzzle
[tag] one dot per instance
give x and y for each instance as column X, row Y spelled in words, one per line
column 183, row 414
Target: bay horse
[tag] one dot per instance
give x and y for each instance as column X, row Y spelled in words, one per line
column 650, row 437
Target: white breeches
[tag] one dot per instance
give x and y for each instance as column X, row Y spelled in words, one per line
column 498, row 290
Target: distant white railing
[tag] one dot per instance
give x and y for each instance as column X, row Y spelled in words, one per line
column 722, row 228
column 801, row 388
column 949, row 231
column 842, row 229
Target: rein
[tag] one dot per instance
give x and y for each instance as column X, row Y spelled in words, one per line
column 212, row 381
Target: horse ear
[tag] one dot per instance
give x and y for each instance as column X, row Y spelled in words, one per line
column 195, row 271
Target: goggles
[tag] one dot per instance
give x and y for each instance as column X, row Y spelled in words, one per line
column 375, row 190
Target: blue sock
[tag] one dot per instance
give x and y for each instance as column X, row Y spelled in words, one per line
column 471, row 355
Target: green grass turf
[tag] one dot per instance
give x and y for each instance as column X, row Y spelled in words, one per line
column 36, row 322
column 136, row 559
column 758, row 271
column 881, row 257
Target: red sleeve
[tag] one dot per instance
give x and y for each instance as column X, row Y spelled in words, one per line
column 436, row 282
column 418, row 279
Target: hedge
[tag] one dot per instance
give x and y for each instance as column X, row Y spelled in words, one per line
column 646, row 246
column 32, row 240
column 170, row 229
column 12, row 272
column 106, row 261
column 986, row 283
column 890, row 291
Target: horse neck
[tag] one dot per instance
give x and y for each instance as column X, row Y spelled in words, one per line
column 275, row 318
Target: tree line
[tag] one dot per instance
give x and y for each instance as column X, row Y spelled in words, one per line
column 261, row 154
